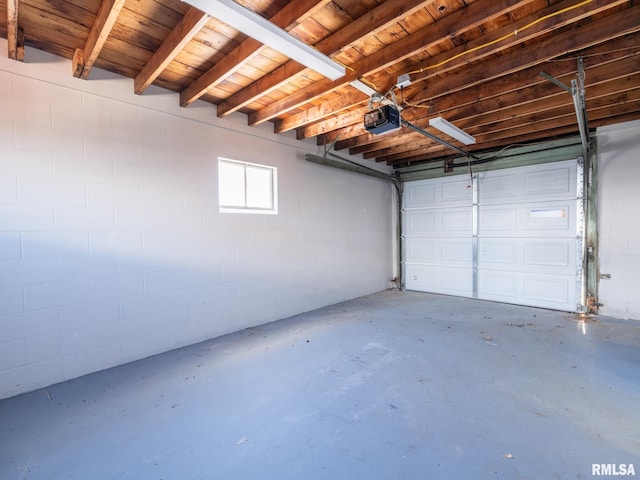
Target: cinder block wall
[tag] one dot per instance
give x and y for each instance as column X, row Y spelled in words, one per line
column 619, row 218
column 111, row 244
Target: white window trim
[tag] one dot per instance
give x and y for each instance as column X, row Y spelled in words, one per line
column 252, row 210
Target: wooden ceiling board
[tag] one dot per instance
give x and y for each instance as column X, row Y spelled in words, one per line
column 310, row 32
column 358, row 8
column 160, row 14
column 265, row 8
column 82, row 13
column 331, row 18
column 193, row 60
column 442, row 8
column 148, row 40
column 47, row 29
column 527, row 10
column 219, row 36
column 416, row 21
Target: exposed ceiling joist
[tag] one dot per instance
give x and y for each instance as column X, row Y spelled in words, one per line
column 12, row 29
column 192, row 22
column 84, row 58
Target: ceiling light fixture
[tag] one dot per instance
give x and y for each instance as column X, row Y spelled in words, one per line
column 257, row 27
column 451, row 130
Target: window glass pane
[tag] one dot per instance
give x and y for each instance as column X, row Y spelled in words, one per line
column 231, row 184
column 259, row 187
column 246, row 187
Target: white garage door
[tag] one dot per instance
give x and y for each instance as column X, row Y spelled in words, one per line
column 508, row 235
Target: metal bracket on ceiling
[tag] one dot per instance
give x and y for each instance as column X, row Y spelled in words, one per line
column 448, row 165
column 580, row 105
column 328, row 150
column 577, row 91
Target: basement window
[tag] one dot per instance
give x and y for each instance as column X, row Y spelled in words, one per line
column 246, row 187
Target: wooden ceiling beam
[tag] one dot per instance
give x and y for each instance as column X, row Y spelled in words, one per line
column 13, row 43
column 192, row 22
column 455, row 58
column 85, row 57
column 20, row 46
column 286, row 18
column 381, row 17
column 334, row 128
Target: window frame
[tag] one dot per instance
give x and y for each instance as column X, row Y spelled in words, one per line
column 273, row 187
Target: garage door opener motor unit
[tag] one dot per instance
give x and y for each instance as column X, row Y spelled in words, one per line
column 382, row 119
column 385, row 117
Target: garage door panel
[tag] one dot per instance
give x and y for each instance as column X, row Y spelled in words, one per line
column 456, row 192
column 422, row 250
column 423, row 277
column 456, row 222
column 556, row 181
column 420, row 194
column 421, row 222
column 439, row 279
column 554, row 256
column 498, row 219
column 457, row 281
column 457, row 251
column 498, row 251
column 541, row 290
column 550, row 219
column 497, row 187
column 526, row 184
column 550, row 290
column 435, row 193
column 559, row 253
column 498, row 285
column 440, row 251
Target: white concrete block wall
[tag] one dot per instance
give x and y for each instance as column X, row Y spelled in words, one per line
column 619, row 218
column 111, row 244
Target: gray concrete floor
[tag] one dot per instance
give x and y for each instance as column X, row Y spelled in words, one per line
column 396, row 385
